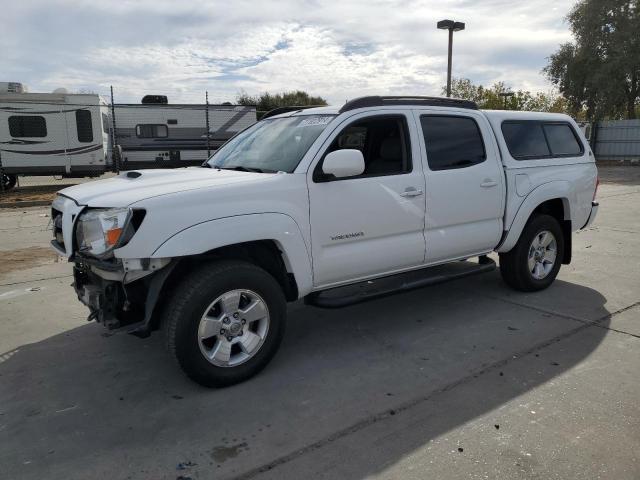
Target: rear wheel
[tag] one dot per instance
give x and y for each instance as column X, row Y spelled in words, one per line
column 225, row 322
column 8, row 181
column 534, row 262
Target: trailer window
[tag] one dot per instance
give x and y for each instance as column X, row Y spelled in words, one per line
column 83, row 124
column 152, row 131
column 27, row 126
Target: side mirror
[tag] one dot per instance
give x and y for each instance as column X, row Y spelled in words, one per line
column 344, row 163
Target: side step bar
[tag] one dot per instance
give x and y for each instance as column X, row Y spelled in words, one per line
column 382, row 287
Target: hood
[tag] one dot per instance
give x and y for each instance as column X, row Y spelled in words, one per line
column 134, row 186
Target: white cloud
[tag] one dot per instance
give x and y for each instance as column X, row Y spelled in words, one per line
column 337, row 50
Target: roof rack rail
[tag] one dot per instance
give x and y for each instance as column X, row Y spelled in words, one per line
column 384, row 101
column 279, row 110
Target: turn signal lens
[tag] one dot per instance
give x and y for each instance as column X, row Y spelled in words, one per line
column 112, row 236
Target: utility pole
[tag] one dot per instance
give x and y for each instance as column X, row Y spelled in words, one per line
column 451, row 26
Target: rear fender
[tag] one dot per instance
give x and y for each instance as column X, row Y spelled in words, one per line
column 552, row 190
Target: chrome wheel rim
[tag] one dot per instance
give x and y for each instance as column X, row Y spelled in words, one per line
column 233, row 328
column 542, row 254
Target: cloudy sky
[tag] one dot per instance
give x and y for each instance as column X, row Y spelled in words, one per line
column 339, row 49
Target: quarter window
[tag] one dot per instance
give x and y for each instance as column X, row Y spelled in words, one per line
column 452, row 142
column 83, row 124
column 27, row 126
column 383, row 141
column 152, row 131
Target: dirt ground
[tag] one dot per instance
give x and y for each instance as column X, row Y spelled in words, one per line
column 24, row 258
column 44, row 193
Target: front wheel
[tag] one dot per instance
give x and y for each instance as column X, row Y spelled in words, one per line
column 534, row 262
column 225, row 322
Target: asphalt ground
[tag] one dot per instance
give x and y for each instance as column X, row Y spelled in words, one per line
column 467, row 379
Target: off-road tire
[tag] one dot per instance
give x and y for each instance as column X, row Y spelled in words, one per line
column 188, row 302
column 513, row 264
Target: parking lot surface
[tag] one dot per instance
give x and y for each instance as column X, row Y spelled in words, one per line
column 467, row 379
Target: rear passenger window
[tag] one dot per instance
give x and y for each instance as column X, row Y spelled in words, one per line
column 525, row 140
column 27, row 126
column 452, row 142
column 562, row 140
column 528, row 140
column 83, row 124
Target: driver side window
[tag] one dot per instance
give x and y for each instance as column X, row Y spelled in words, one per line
column 383, row 141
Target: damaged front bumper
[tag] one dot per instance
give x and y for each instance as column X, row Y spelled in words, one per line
column 121, row 294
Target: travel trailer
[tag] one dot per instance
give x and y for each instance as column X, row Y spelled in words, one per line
column 71, row 134
column 161, row 135
column 53, row 134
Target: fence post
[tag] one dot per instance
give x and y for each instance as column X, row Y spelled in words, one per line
column 115, row 154
column 594, row 139
column 207, row 121
column 1, row 175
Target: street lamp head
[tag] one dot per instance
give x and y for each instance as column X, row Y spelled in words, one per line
column 445, row 24
column 450, row 25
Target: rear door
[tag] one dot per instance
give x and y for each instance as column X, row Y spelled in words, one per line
column 464, row 184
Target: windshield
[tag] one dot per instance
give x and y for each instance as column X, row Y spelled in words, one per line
column 271, row 145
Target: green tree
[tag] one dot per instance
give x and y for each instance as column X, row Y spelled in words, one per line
column 600, row 70
column 490, row 98
column 268, row 101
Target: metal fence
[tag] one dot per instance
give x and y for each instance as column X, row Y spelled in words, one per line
column 617, row 141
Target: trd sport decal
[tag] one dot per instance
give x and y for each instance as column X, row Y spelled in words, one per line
column 345, row 236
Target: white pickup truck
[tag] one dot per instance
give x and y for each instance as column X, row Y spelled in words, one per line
column 333, row 205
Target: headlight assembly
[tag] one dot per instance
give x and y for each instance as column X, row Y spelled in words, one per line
column 101, row 230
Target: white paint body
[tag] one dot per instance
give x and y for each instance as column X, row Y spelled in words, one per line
column 337, row 233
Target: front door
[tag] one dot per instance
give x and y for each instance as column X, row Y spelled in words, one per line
column 465, row 185
column 371, row 224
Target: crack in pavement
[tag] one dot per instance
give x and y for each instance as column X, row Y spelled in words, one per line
column 33, row 281
column 372, row 419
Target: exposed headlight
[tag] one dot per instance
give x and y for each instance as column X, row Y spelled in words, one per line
column 101, row 230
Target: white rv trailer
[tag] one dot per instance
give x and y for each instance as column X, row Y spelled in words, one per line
column 53, row 134
column 160, row 135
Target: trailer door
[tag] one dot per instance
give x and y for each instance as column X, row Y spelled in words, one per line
column 85, row 152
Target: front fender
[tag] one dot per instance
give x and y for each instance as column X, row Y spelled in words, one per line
column 222, row 232
column 548, row 191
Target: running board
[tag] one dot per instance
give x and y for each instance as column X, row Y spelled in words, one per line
column 382, row 287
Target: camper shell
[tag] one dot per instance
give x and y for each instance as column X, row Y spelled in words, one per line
column 54, row 134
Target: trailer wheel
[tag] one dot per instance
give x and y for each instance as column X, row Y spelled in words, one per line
column 225, row 322
column 8, row 181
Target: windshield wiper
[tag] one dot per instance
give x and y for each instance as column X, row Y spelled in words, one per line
column 240, row 168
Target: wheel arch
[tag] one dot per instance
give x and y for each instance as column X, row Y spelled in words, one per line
column 553, row 198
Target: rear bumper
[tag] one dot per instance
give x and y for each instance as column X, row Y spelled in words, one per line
column 592, row 215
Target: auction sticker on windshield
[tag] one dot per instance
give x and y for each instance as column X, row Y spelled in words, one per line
column 315, row 120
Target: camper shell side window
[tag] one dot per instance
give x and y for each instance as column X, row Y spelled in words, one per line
column 150, row 130
column 27, row 126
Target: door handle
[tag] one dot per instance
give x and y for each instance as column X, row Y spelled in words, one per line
column 487, row 183
column 411, row 192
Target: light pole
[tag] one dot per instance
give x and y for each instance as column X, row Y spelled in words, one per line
column 452, row 26
column 504, row 95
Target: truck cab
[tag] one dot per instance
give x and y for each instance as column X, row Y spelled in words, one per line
column 319, row 203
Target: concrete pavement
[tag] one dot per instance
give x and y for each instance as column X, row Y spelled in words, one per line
column 462, row 380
